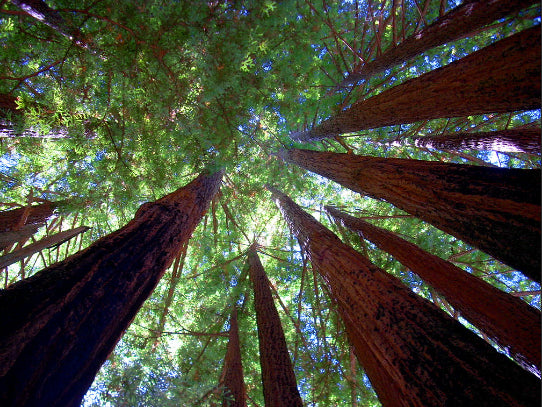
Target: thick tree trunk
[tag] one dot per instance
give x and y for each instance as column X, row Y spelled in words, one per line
column 36, row 214
column 511, row 322
column 46, row 242
column 456, row 24
column 59, row 326
column 278, row 378
column 234, row 394
column 22, row 234
column 413, row 353
column 494, row 209
column 511, row 141
column 503, row 77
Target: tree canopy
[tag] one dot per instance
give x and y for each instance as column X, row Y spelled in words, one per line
column 107, row 105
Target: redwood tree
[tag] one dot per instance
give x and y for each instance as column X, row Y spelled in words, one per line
column 503, row 77
column 456, row 24
column 494, row 209
column 28, row 215
column 508, row 320
column 413, row 353
column 234, row 394
column 525, row 140
column 59, row 326
column 278, row 378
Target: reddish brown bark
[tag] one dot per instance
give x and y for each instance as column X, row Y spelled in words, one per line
column 59, row 326
column 502, row 77
column 234, row 394
column 414, row 353
column 456, row 24
column 511, row 322
column 512, row 141
column 494, row 209
column 278, row 378
column 46, row 242
column 15, row 218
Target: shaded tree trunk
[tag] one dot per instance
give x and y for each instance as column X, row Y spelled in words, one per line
column 234, row 394
column 511, row 141
column 29, row 215
column 22, row 234
column 413, row 353
column 503, row 77
column 511, row 322
column 494, row 209
column 39, row 10
column 278, row 378
column 59, row 326
column 45, row 243
column 456, row 24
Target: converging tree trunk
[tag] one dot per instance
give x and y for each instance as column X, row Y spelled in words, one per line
column 42, row 12
column 59, row 326
column 511, row 141
column 44, row 243
column 508, row 320
column 278, row 378
column 503, row 77
column 456, row 24
column 35, row 214
column 234, row 394
column 413, row 353
column 494, row 209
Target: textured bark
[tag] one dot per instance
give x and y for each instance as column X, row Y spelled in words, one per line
column 46, row 242
column 511, row 141
column 511, row 322
column 494, row 209
column 59, row 326
column 22, row 234
column 14, row 219
column 234, row 393
column 456, row 24
column 502, row 77
column 413, row 353
column 278, row 378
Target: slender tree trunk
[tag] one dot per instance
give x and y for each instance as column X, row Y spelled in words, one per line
column 59, row 326
column 511, row 322
column 46, row 242
column 234, row 394
column 494, row 209
column 507, row 141
column 503, row 77
column 36, row 214
column 414, row 353
column 278, row 378
column 456, row 24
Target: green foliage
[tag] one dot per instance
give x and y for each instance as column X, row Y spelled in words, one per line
column 164, row 90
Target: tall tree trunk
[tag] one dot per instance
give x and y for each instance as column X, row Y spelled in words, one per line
column 14, row 236
column 414, row 353
column 503, row 77
column 234, row 394
column 278, row 378
column 511, row 322
column 45, row 243
column 59, row 326
column 36, row 214
column 42, row 12
column 511, row 141
column 456, row 24
column 494, row 209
